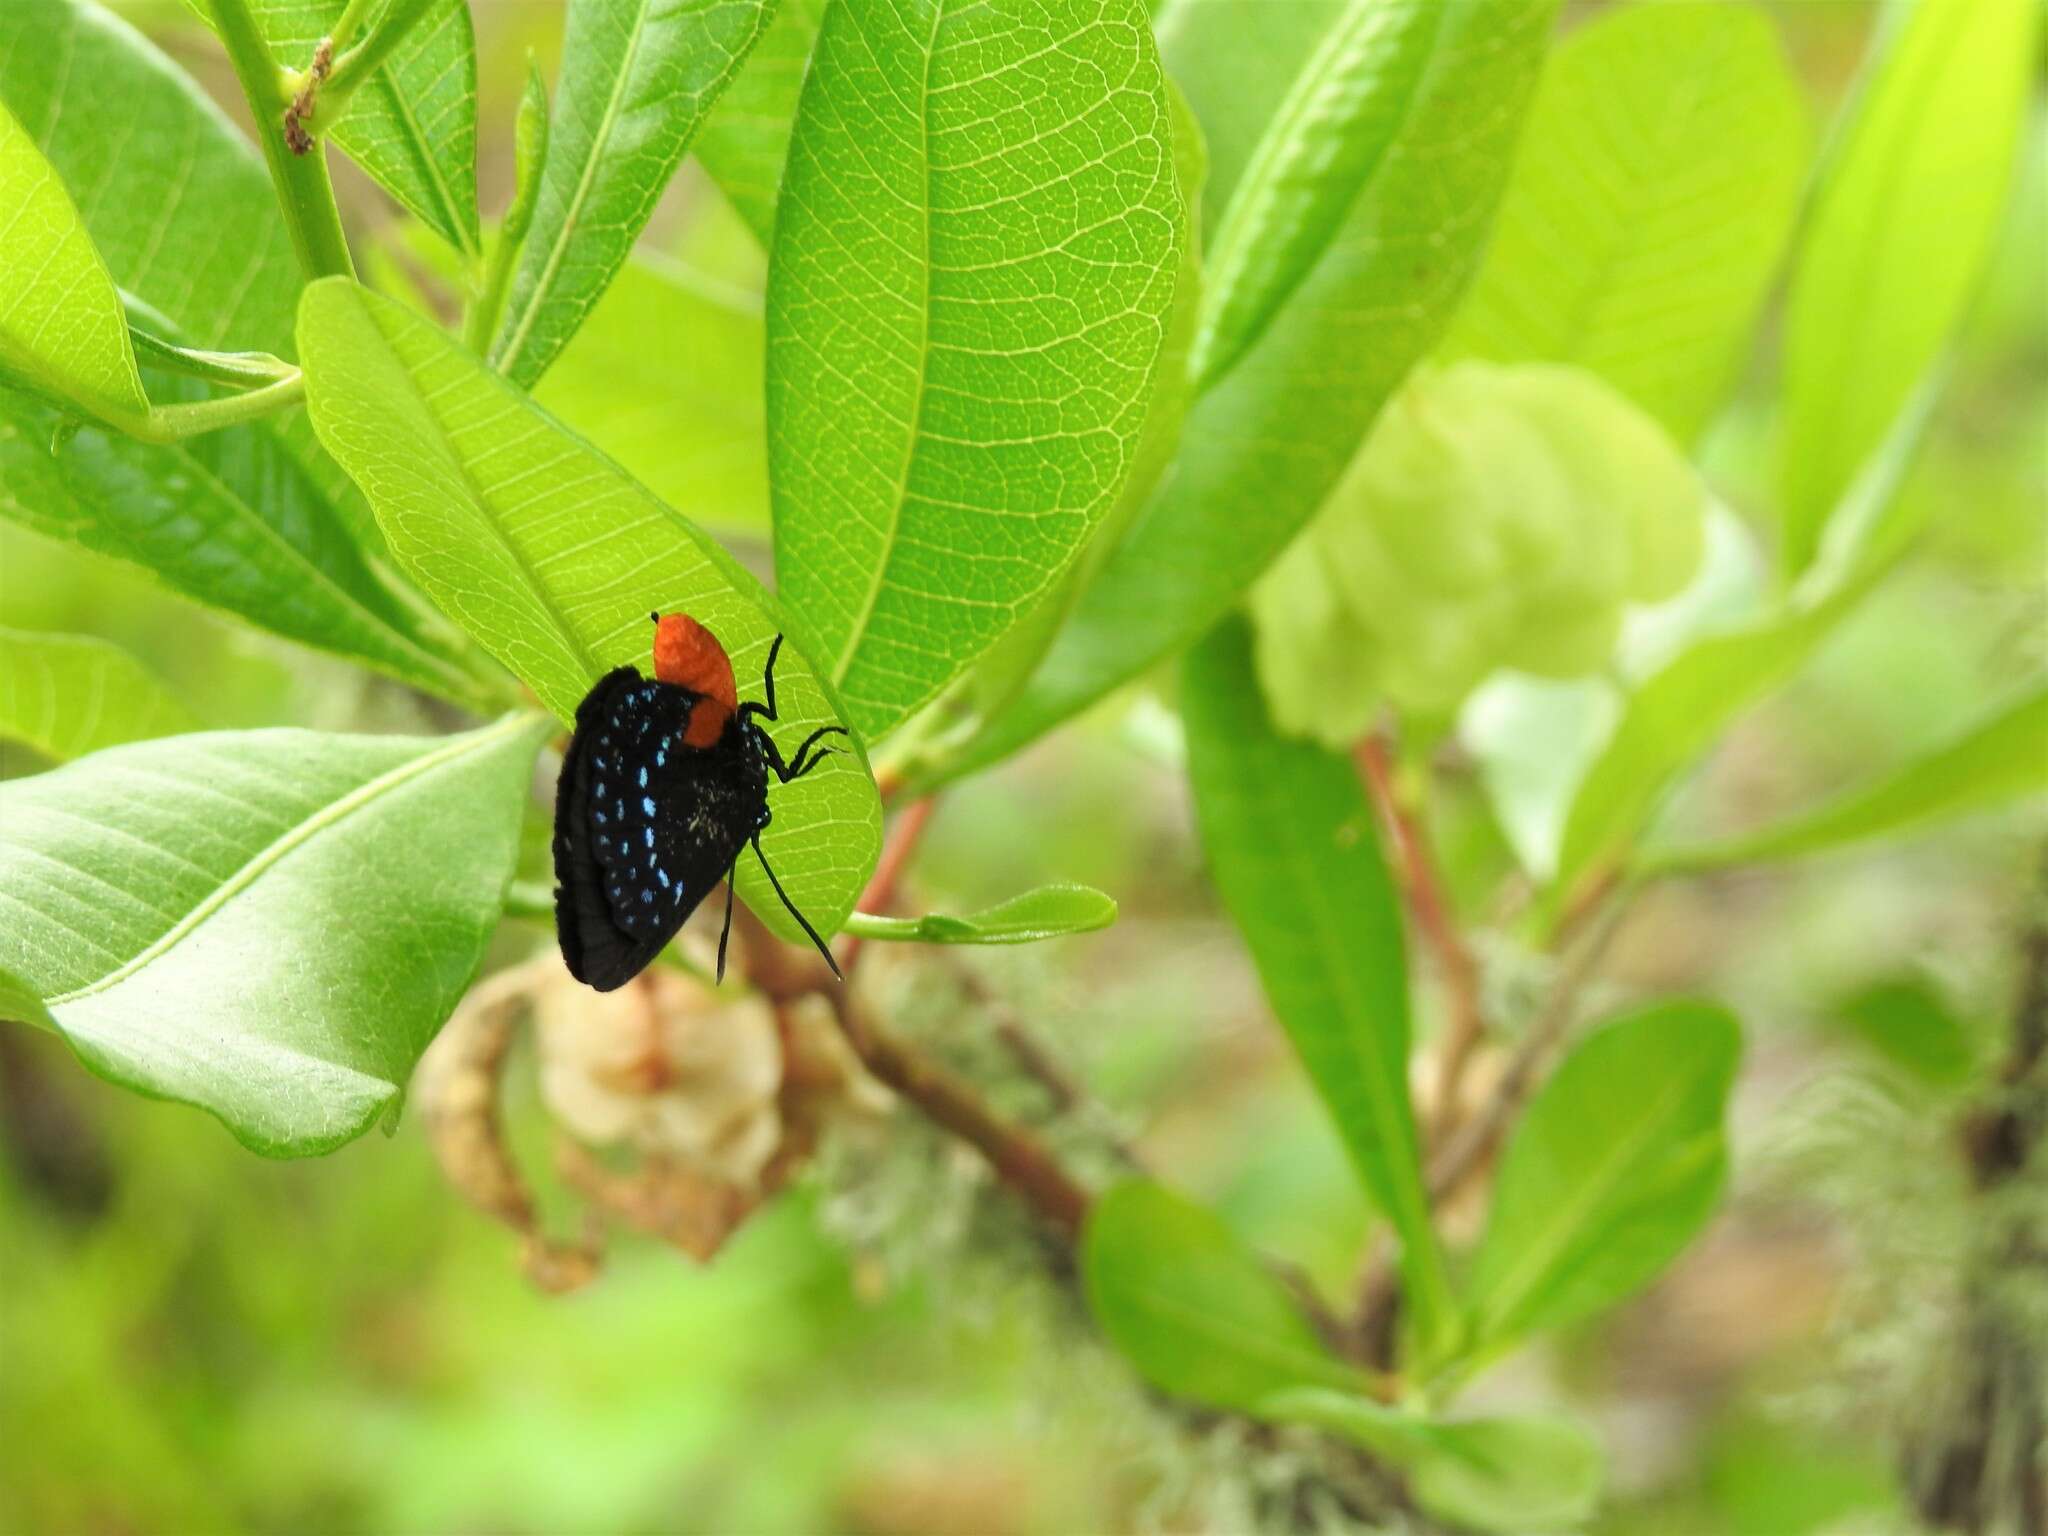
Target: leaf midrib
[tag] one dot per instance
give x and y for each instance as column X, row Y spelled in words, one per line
column 542, row 593
column 318, row 577
column 516, row 341
column 1258, row 1347
column 1518, row 1281
column 401, row 105
column 327, row 816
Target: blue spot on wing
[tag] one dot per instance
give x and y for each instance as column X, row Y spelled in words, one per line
column 679, row 833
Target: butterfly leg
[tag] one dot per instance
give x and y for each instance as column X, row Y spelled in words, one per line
column 726, row 932
column 768, row 676
column 802, row 921
column 754, row 709
column 805, row 759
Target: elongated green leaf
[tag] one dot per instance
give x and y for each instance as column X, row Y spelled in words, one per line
column 1050, row 912
column 230, row 519
column 1899, row 231
column 1262, row 449
column 1297, row 859
column 665, row 376
column 67, row 695
column 1236, row 89
column 1675, row 716
column 62, row 331
column 1520, row 1474
column 974, row 259
column 1655, row 188
column 412, row 125
column 1193, row 1308
column 1616, row 1166
column 637, row 78
column 2003, row 756
column 269, row 925
column 552, row 558
column 745, row 140
column 1317, row 155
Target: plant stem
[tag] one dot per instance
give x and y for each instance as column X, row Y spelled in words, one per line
column 236, row 370
column 1019, row 1159
column 352, row 68
column 896, row 852
column 303, row 190
column 350, row 22
column 1435, row 921
column 174, row 423
column 1037, row 1060
column 1476, row 1140
column 530, row 899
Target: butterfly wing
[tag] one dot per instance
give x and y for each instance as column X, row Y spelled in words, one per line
column 645, row 826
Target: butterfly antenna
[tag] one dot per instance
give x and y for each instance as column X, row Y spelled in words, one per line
column 726, row 932
column 802, row 921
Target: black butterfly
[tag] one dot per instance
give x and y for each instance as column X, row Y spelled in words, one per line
column 664, row 784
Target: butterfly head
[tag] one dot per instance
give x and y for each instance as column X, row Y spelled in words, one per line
column 689, row 655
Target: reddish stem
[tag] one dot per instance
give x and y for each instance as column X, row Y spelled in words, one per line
column 1435, row 922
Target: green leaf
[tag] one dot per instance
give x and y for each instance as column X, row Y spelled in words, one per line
column 67, row 695
column 1911, row 1025
column 1520, row 1474
column 1235, row 90
column 1899, row 231
column 412, row 125
column 1263, row 448
column 1192, row 1308
column 1614, row 1169
column 269, row 925
column 1676, row 715
column 552, row 558
column 686, row 419
column 1050, row 912
column 1006, row 666
column 1296, row 856
column 158, row 173
column 973, row 265
column 1318, row 153
column 2003, row 756
column 637, row 78
column 1655, row 188
column 62, row 330
column 228, row 519
column 744, row 142
column 1198, row 1315
column 255, row 520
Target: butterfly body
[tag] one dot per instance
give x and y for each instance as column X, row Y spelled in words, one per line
column 653, row 809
